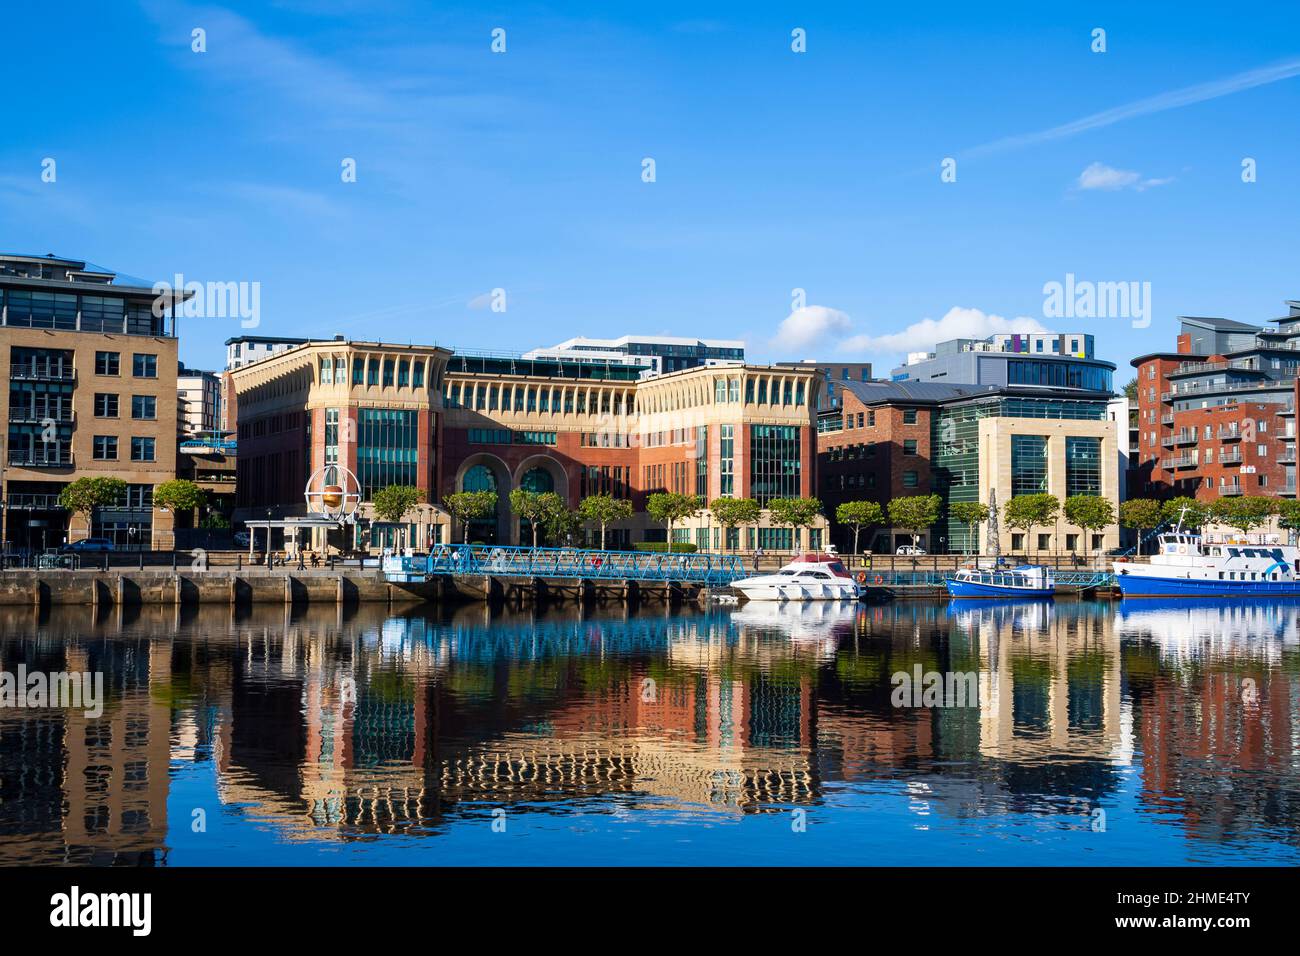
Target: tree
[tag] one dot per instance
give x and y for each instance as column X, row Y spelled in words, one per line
column 915, row 513
column 535, row 507
column 734, row 512
column 87, row 494
column 392, row 503
column 1140, row 514
column 604, row 510
column 179, row 496
column 1027, row 512
column 1197, row 514
column 671, row 507
column 561, row 524
column 1089, row 512
column 1131, row 390
column 858, row 515
column 1245, row 514
column 466, row 506
column 971, row 514
column 795, row 512
column 1288, row 517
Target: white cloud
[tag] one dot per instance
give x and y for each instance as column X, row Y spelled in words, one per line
column 957, row 323
column 812, row 325
column 1101, row 176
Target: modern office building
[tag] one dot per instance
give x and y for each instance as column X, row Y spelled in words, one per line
column 834, row 376
column 1034, row 359
column 198, row 401
column 1216, row 416
column 898, row 439
column 446, row 423
column 243, row 350
column 91, row 364
column 659, row 354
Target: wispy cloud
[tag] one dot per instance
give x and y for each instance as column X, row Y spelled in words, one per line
column 1186, row 96
column 810, row 326
column 957, row 323
column 1099, row 176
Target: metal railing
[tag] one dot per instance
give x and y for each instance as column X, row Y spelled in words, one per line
column 710, row 569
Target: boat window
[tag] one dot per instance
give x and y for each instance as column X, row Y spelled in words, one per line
column 788, row 573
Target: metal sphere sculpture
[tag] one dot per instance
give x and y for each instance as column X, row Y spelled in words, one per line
column 333, row 492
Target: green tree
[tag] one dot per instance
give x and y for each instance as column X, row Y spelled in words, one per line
column 604, row 510
column 915, row 513
column 1197, row 513
column 179, row 496
column 1089, row 512
column 534, row 507
column 1027, row 512
column 466, row 506
column 671, row 507
column 734, row 513
column 561, row 524
column 970, row 513
column 1245, row 514
column 392, row 503
column 795, row 512
column 858, row 515
column 1131, row 390
column 1288, row 517
column 1140, row 514
column 87, row 494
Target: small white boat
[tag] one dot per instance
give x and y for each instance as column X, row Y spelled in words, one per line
column 816, row 576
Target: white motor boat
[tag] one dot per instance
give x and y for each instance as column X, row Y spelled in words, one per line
column 815, row 576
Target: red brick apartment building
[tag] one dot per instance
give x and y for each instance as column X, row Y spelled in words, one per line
column 1216, row 416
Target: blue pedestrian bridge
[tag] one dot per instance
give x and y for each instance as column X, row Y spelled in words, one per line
column 487, row 560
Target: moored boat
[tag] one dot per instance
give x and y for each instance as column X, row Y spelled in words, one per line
column 815, row 576
column 1187, row 566
column 1026, row 581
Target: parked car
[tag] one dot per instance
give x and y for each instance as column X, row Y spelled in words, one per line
column 89, row 544
column 242, row 539
column 910, row 549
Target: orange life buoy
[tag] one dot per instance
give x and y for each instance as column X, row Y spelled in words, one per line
column 879, row 579
column 862, row 577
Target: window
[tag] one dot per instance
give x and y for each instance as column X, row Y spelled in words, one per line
column 105, row 405
column 144, row 365
column 1082, row 465
column 144, row 407
column 909, row 446
column 909, row 416
column 726, row 459
column 105, row 448
column 107, row 363
column 910, row 479
column 1028, row 464
column 775, row 462
column 142, row 449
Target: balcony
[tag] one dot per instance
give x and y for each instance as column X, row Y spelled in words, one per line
column 1268, row 385
column 1232, row 489
column 29, row 502
column 29, row 416
column 1167, row 419
column 1230, row 456
column 41, row 373
column 1287, row 457
column 1182, row 461
column 54, row 458
column 1228, row 433
column 1181, row 438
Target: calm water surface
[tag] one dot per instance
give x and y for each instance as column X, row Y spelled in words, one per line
column 1103, row 733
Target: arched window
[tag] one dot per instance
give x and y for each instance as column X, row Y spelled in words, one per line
column 479, row 478
column 537, row 480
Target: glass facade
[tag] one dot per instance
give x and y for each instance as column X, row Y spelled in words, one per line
column 1028, row 464
column 776, row 469
column 727, row 459
column 1082, row 466
column 387, row 449
column 1059, row 374
column 702, row 462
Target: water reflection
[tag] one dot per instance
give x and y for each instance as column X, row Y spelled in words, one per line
column 349, row 730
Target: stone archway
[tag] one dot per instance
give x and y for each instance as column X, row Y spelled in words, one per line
column 481, row 472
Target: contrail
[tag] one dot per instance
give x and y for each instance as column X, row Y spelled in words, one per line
column 1152, row 104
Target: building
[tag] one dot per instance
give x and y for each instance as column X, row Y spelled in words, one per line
column 243, row 350
column 447, row 423
column 834, row 375
column 91, row 364
column 1216, row 416
column 898, row 439
column 1041, row 359
column 659, row 354
column 198, row 401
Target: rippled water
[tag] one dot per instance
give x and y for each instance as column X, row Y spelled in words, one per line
column 1102, row 733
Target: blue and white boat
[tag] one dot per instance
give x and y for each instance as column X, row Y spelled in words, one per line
column 1026, row 581
column 1186, row 566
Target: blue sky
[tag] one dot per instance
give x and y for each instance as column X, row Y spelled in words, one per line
column 774, row 170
